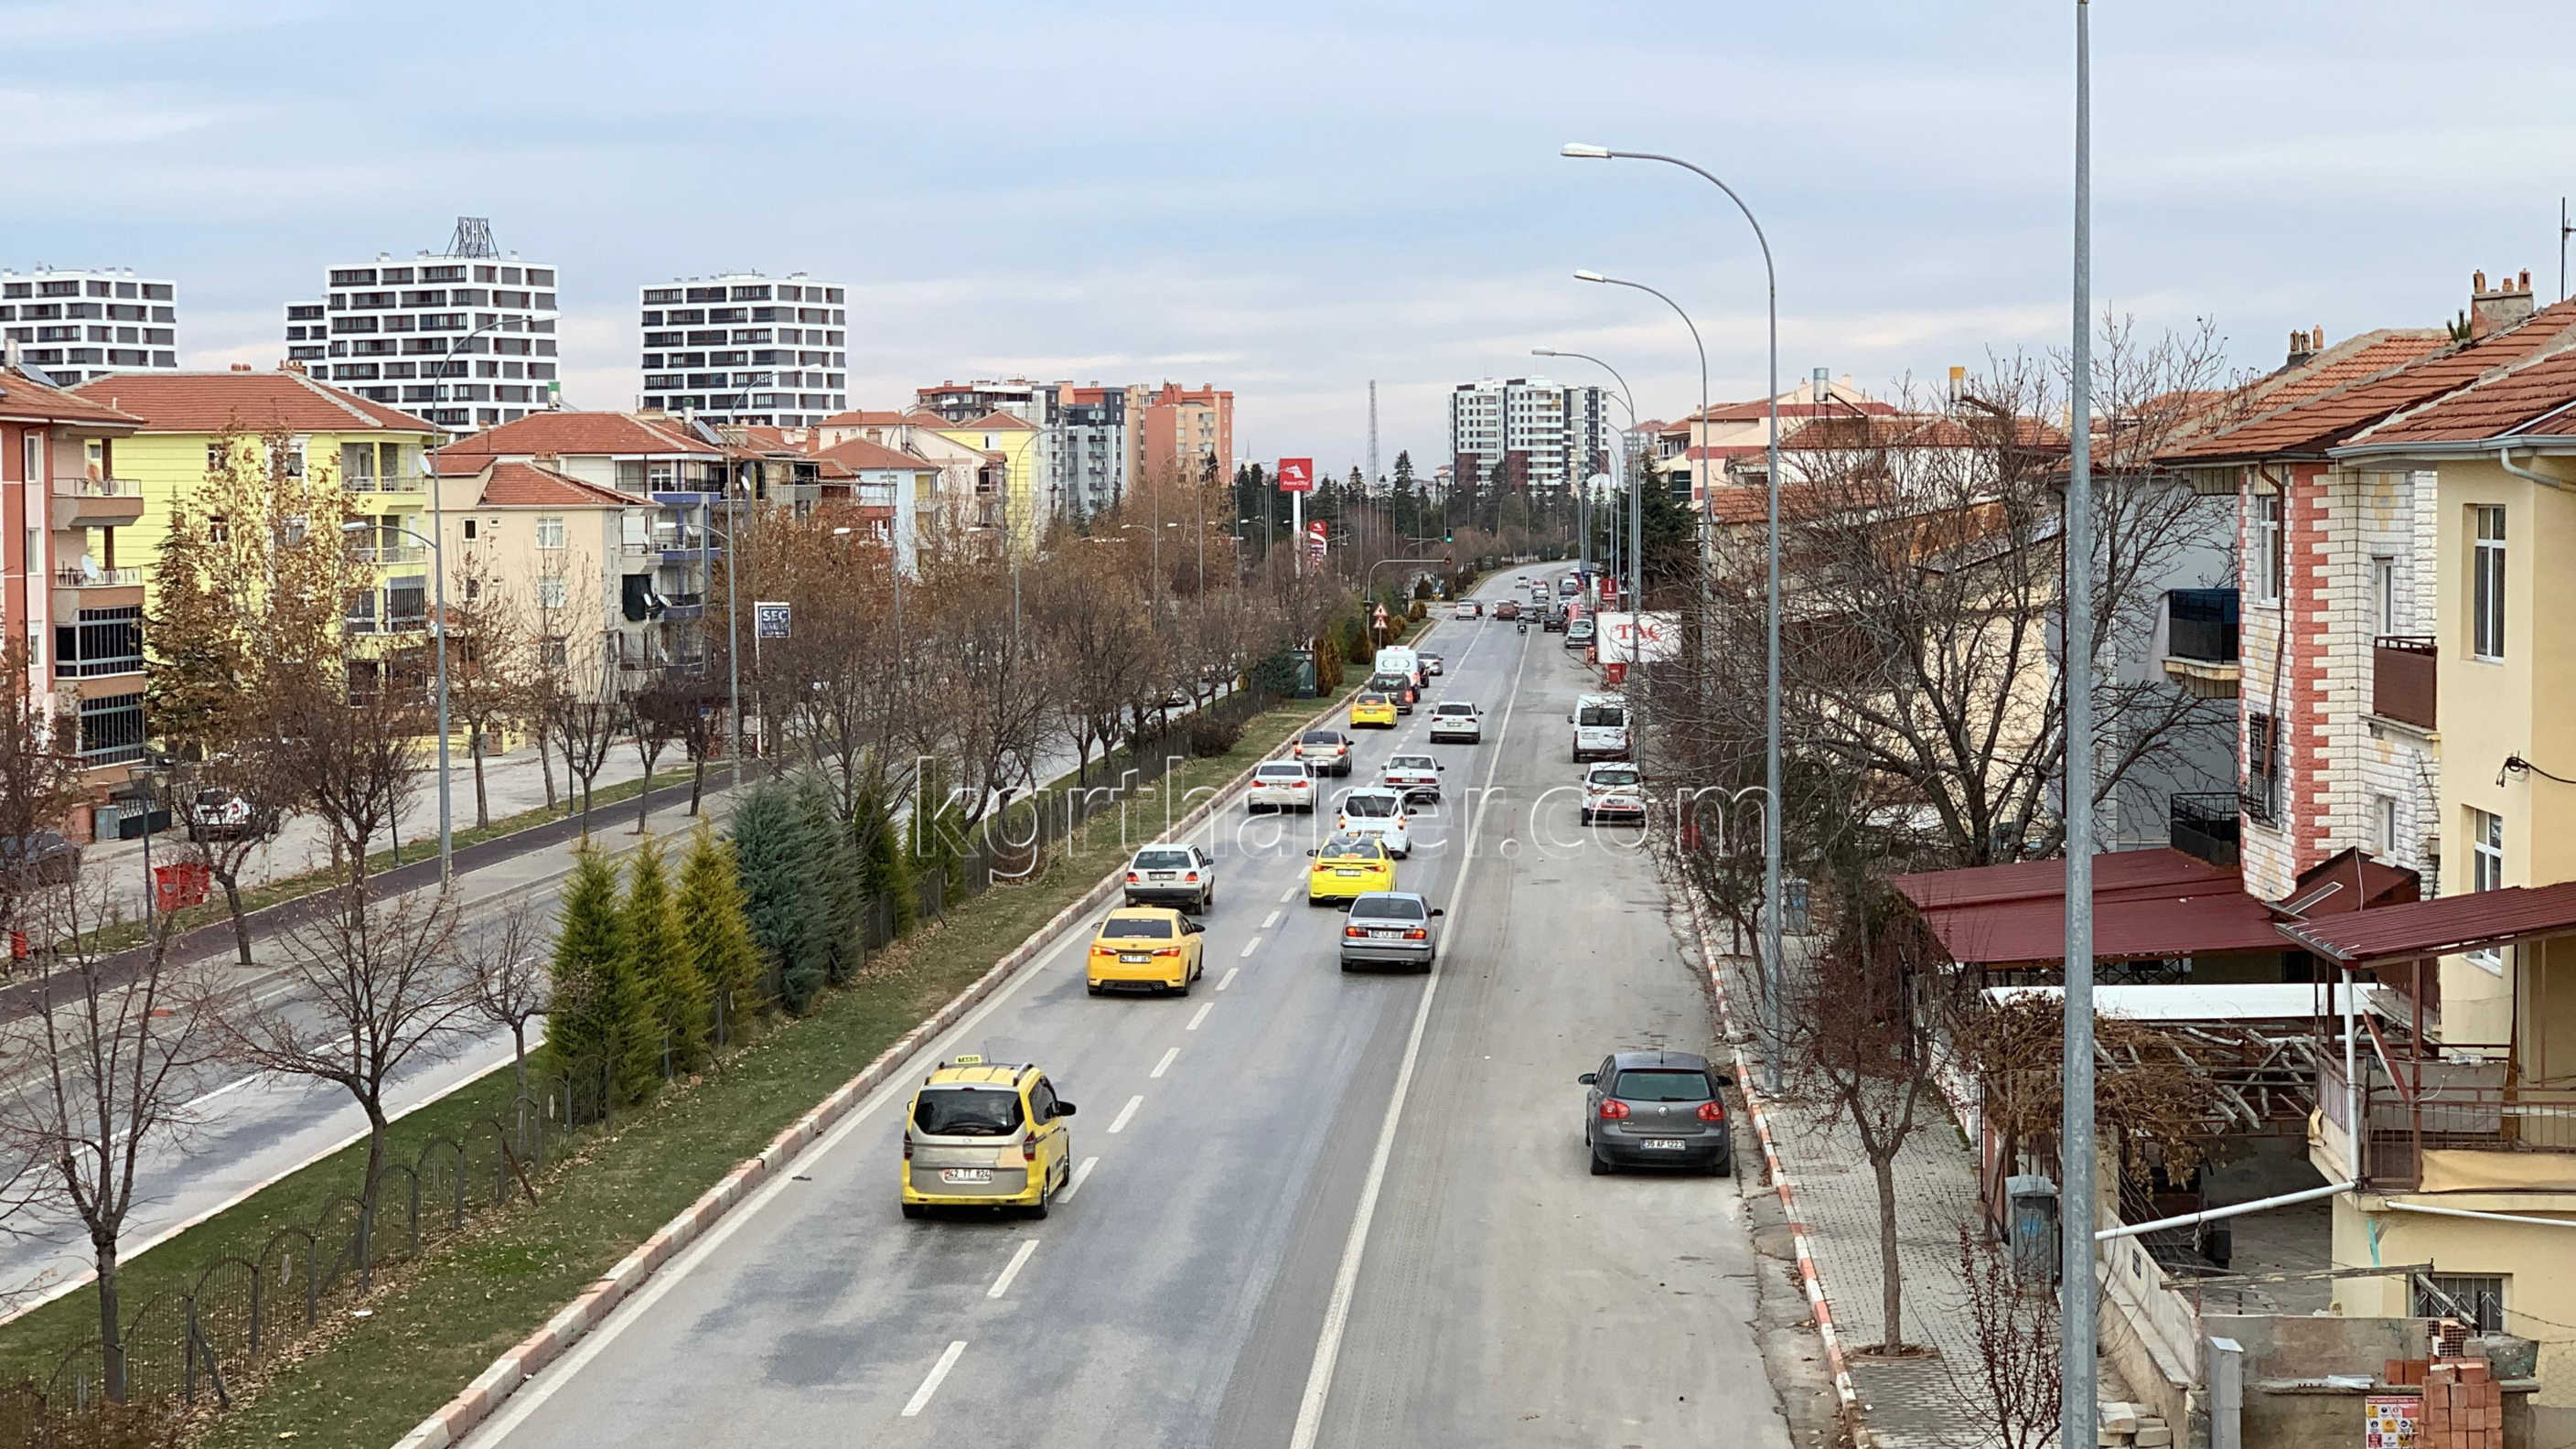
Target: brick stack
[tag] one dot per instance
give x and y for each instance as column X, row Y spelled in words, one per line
column 2130, row 1426
column 2463, row 1406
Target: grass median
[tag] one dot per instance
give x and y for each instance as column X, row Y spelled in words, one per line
column 436, row 1322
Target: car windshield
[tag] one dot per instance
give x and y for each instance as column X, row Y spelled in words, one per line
column 967, row 1112
column 1372, row 806
column 1605, row 778
column 1163, row 860
column 1136, row 928
column 1601, row 715
column 1387, row 908
column 1662, row 1085
column 1410, row 762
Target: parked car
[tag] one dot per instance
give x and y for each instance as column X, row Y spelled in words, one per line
column 1614, row 791
column 1390, row 928
column 1579, row 634
column 1172, row 875
column 38, row 858
column 1328, row 751
column 220, row 814
column 1281, row 785
column 1457, row 719
column 1415, row 777
column 1656, row 1108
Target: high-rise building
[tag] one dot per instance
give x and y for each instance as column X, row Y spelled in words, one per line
column 79, row 324
column 1095, row 449
column 1544, row 434
column 747, row 349
column 1179, row 430
column 464, row 338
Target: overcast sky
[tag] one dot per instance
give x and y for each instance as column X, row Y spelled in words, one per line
column 1289, row 200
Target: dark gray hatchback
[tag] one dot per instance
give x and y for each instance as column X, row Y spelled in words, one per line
column 1657, row 1109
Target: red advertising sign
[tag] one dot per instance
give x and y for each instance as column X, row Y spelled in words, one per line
column 1296, row 475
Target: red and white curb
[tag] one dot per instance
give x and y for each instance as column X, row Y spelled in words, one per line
column 476, row 1402
column 1808, row 1277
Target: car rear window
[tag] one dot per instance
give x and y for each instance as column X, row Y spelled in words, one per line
column 1455, row 709
column 1164, row 859
column 1388, row 908
column 1662, row 1084
column 1614, row 777
column 1345, row 847
column 1409, row 762
column 1372, row 699
column 1601, row 714
column 1321, row 737
column 1373, row 806
column 1282, row 772
column 967, row 1112
column 1137, row 928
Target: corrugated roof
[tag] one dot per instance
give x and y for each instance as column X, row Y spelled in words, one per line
column 2147, row 905
column 2114, row 872
column 25, row 400
column 214, row 402
column 2440, row 927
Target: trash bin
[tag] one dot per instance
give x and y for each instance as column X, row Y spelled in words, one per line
column 2034, row 1227
column 177, row 887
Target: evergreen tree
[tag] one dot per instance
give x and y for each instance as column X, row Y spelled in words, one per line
column 774, row 852
column 657, row 955
column 602, row 1031
column 885, row 866
column 839, row 892
column 714, row 933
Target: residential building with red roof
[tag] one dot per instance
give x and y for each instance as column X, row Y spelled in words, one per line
column 746, row 348
column 1180, row 432
column 575, row 561
column 65, row 516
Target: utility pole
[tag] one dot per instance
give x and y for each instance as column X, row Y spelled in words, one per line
column 2076, row 1205
column 1372, row 472
column 2564, row 231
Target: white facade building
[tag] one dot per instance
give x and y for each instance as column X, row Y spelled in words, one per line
column 746, row 348
column 1552, row 434
column 464, row 338
column 75, row 325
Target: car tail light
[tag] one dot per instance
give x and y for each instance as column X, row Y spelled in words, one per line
column 1193, row 875
column 1297, row 785
column 1613, row 1110
column 907, row 1147
column 1131, row 877
column 1167, row 951
column 1711, row 1112
column 1353, row 931
column 1417, row 934
column 1028, row 1149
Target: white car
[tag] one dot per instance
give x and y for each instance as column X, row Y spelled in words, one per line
column 1457, row 719
column 1614, row 792
column 1467, row 609
column 1376, row 811
column 1433, row 663
column 1181, row 876
column 1415, row 777
column 1281, row 785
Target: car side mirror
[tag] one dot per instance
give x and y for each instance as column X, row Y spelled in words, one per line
column 1437, row 911
column 1589, row 1078
column 1724, row 1079
column 1569, row 719
column 1064, row 1109
column 1195, row 928
column 1310, row 852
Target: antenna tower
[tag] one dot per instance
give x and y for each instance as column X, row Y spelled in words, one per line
column 473, row 238
column 1372, row 472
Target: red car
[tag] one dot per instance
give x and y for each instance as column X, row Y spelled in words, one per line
column 1507, row 610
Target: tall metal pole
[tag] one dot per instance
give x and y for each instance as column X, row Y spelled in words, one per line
column 438, row 622
column 733, row 623
column 2078, row 1211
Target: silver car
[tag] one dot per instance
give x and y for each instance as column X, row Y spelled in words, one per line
column 1390, row 928
column 1657, row 1109
column 1172, row 875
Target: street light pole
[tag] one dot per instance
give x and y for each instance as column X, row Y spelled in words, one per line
column 1628, row 402
column 1771, row 762
column 438, row 634
column 438, row 620
column 2077, row 1209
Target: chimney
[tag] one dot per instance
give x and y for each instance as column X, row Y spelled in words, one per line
column 291, row 365
column 1958, row 382
column 241, row 367
column 2493, row 311
column 2303, row 347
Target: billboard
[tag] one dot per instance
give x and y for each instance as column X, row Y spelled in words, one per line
column 1638, row 638
column 1315, row 538
column 1296, row 475
column 769, row 619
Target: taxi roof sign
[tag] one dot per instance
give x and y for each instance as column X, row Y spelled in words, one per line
column 967, row 1061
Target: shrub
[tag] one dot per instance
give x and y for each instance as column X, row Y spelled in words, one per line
column 1355, row 642
column 1210, row 736
column 1418, row 612
column 658, row 956
column 602, row 1028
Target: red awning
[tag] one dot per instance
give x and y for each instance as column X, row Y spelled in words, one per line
column 2439, row 927
column 2147, row 905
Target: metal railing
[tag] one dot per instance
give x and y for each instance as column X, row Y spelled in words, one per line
column 391, row 553
column 2205, row 824
column 2460, row 1104
column 2404, row 678
column 97, row 488
column 97, row 578
column 2201, row 625
column 387, row 483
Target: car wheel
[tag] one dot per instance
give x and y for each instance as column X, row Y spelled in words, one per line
column 1347, row 968
column 916, row 1210
column 1600, row 1164
column 1093, row 987
column 1207, row 902
column 1587, row 817
column 1723, row 1167
column 1036, row 1209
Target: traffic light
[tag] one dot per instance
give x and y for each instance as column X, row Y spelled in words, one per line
column 1448, row 535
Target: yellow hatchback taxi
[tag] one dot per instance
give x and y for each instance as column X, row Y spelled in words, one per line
column 1373, row 709
column 1150, row 946
column 1349, row 866
column 985, row 1134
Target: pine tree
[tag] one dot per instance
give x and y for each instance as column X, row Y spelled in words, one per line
column 885, row 864
column 657, row 954
column 773, row 853
column 601, row 1033
column 714, row 933
column 839, row 891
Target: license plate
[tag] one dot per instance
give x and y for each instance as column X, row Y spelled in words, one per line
column 1385, row 935
column 1159, row 875
column 1663, row 1144
column 1133, row 958
column 985, row 1174
column 1347, row 874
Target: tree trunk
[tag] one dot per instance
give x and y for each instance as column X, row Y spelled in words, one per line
column 482, row 801
column 697, row 781
column 1891, row 1296
column 374, row 1181
column 111, row 1341
column 546, row 768
column 241, row 921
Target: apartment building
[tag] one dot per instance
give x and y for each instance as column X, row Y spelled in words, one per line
column 1004, row 499
column 1543, row 434
column 74, row 325
column 1096, row 454
column 745, row 348
column 65, row 514
column 465, row 338
column 1180, row 432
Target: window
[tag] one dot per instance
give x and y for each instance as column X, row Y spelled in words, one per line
column 550, row 532
column 2486, row 585
column 551, row 592
column 2383, row 596
column 2267, row 547
column 2262, row 769
column 2486, row 871
column 2383, row 825
column 469, row 530
column 2475, row 1298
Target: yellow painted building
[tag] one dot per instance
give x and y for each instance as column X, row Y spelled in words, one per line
column 1006, row 486
column 374, row 451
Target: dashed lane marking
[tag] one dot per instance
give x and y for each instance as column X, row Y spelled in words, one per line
column 1126, row 1114
column 938, row 1372
column 1160, row 1067
column 1011, row 1269
column 1201, row 1014
column 1228, row 979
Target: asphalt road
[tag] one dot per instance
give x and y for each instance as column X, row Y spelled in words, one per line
column 1309, row 1208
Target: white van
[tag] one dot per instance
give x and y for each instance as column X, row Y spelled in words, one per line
column 1396, row 659
column 1600, row 727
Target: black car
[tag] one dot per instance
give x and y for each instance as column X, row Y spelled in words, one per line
column 1397, row 687
column 1553, row 621
column 40, row 858
column 1657, row 1109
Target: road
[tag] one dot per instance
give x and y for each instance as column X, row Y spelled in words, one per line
column 1309, row 1208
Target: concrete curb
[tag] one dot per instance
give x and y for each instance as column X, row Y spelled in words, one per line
column 476, row 1402
column 1818, row 1304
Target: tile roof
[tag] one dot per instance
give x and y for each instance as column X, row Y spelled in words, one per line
column 2315, row 423
column 211, row 402
column 1737, row 503
column 24, row 399
column 860, row 453
column 554, row 434
column 2536, row 397
column 862, row 418
column 1759, row 410
column 994, row 421
column 525, row 485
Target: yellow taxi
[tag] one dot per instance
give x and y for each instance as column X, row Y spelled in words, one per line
column 1149, row 946
column 1373, row 709
column 1348, row 866
column 985, row 1134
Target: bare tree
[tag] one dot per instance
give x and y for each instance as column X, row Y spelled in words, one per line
column 577, row 705
column 99, row 1079
column 1098, row 640
column 233, row 803
column 2015, row 1377
column 354, row 754
column 370, row 986
column 506, row 965
column 488, row 662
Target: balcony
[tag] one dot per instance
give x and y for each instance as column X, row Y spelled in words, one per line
column 2456, row 1124
column 2205, row 824
column 392, row 553
column 2200, row 641
column 2403, row 671
column 387, row 483
column 97, row 502
column 685, row 545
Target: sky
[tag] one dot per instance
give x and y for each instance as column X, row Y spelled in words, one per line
column 1292, row 201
